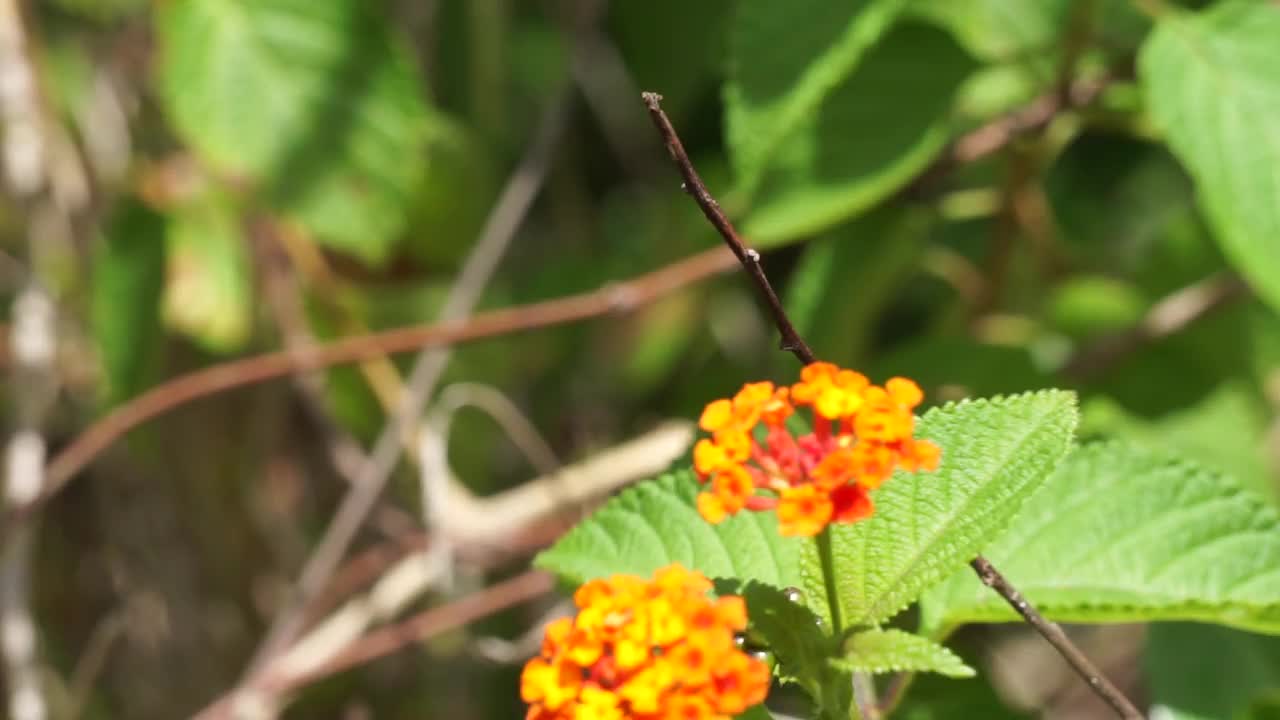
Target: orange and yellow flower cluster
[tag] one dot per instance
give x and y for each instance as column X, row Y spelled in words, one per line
column 861, row 432
column 645, row 650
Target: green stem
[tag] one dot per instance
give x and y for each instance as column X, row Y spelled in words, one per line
column 829, row 579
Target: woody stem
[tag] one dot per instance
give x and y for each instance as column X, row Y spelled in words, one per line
column 792, row 342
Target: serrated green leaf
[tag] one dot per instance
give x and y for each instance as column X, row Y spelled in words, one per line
column 995, row 454
column 208, row 294
column 892, row 650
column 1232, row 144
column 784, row 59
column 873, row 132
column 1224, row 432
column 1125, row 534
column 800, row 642
column 656, row 523
column 127, row 281
column 318, row 101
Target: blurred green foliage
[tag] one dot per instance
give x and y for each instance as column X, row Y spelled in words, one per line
column 356, row 147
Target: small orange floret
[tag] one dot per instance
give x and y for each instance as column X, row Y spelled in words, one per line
column 904, row 392
column 921, row 455
column 838, row 467
column 777, row 409
column 803, row 511
column 733, row 485
column 708, row 457
column 667, row 651
column 861, row 434
column 716, row 415
column 712, row 508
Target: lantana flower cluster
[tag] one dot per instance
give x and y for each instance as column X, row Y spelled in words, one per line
column 645, row 650
column 860, row 434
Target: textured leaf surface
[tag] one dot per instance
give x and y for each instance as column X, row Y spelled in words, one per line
column 256, row 86
column 995, row 454
column 655, row 523
column 1224, row 432
column 1124, row 534
column 892, row 650
column 785, row 58
column 1231, row 144
column 128, row 279
column 873, row 132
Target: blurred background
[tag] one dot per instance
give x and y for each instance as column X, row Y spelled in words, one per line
column 982, row 205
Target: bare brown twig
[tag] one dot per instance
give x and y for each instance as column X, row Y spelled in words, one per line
column 1053, row 633
column 1172, row 313
column 393, row 638
column 749, row 258
column 750, row 261
column 618, row 297
column 997, row 134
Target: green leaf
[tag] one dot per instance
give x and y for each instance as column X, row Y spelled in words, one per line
column 972, row 369
column 127, row 281
column 892, row 650
column 1231, row 145
column 318, row 101
column 1124, row 534
column 656, row 523
column 784, row 60
column 843, row 282
column 936, row 697
column 1092, row 305
column 800, row 642
column 758, row 712
column 209, row 293
column 872, row 133
column 1224, row 432
column 1188, row 683
column 995, row 454
column 998, row 29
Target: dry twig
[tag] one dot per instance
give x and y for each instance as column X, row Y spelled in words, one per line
column 623, row 296
column 750, row 260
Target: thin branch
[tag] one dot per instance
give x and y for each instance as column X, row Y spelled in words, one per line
column 508, row 214
column 997, row 134
column 475, row 526
column 749, row 258
column 48, row 186
column 393, row 638
column 1171, row 314
column 624, row 296
column 33, row 341
column 1053, row 633
column 751, row 262
column 424, row 625
column 519, row 429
